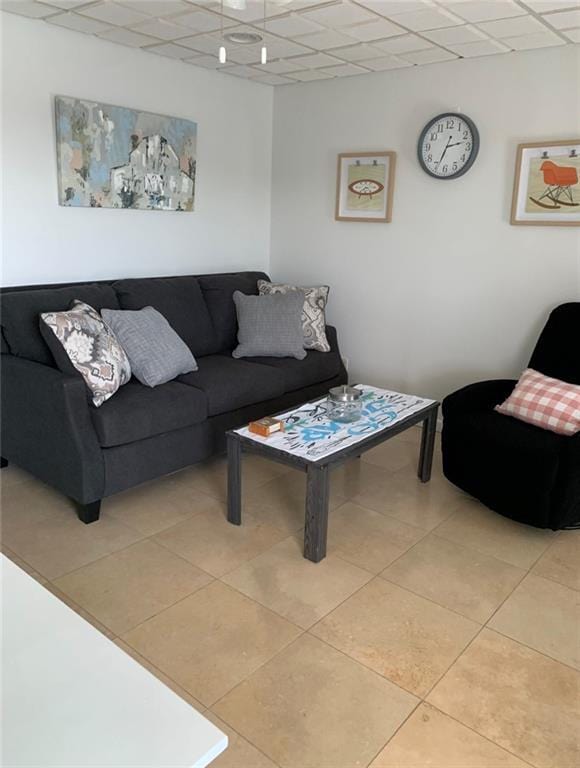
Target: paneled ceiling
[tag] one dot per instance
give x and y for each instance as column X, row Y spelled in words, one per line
column 311, row 40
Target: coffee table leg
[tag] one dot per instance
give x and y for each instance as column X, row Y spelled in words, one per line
column 316, row 523
column 427, row 445
column 234, row 450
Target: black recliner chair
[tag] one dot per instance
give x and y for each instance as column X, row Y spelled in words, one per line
column 523, row 472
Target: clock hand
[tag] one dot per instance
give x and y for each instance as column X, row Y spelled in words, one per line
column 444, row 151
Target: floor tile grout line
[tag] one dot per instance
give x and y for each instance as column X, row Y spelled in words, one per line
column 431, row 600
column 481, row 735
column 534, row 650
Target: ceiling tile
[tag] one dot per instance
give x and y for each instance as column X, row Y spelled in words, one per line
column 171, row 50
column 481, row 48
column 128, row 37
column 66, row 5
column 539, row 40
column 244, row 54
column 345, row 70
column 290, row 26
column 392, row 7
column 309, row 75
column 254, row 11
column 280, row 49
column 78, row 23
column 331, row 38
column 280, row 67
column 28, row 8
column 201, row 21
column 202, row 43
column 357, row 52
column 573, row 35
column 387, row 62
column 463, row 34
column 430, row 56
column 207, row 62
column 402, row 44
column 430, row 18
column 484, row 10
column 273, row 80
column 162, row 29
column 520, row 25
column 240, row 71
column 339, row 15
column 541, row 6
column 299, row 5
column 112, row 13
column 155, row 7
column 564, row 19
column 375, row 30
column 314, row 60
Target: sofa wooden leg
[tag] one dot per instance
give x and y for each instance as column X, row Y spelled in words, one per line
column 3, row 462
column 89, row 513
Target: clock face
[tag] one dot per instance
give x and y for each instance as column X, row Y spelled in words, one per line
column 448, row 146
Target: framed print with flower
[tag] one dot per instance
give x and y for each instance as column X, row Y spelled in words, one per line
column 364, row 186
column 547, row 184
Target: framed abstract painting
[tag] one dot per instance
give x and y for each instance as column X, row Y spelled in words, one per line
column 116, row 157
column 364, row 186
column 547, row 184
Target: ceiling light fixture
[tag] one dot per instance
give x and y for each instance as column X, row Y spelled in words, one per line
column 222, row 54
column 243, row 38
column 264, row 51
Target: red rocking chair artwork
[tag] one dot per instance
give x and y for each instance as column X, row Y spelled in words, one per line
column 547, row 184
column 559, row 181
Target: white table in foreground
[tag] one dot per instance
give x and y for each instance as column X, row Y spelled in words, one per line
column 71, row 697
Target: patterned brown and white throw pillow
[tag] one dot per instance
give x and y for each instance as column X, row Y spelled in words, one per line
column 91, row 347
column 313, row 312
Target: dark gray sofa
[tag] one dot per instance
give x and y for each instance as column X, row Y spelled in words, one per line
column 51, row 429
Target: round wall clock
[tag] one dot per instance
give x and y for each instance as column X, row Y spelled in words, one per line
column 448, row 146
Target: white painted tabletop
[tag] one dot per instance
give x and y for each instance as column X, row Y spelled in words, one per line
column 72, row 698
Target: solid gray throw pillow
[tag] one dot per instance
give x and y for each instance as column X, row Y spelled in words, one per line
column 156, row 353
column 270, row 326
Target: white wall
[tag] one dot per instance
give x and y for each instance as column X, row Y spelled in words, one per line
column 43, row 242
column 449, row 292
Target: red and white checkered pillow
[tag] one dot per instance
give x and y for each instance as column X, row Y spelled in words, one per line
column 545, row 402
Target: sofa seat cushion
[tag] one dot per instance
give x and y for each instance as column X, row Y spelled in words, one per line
column 230, row 384
column 21, row 311
column 316, row 367
column 180, row 301
column 136, row 412
column 507, row 464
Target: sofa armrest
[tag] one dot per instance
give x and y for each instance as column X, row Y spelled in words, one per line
column 482, row 396
column 47, row 428
column 332, row 336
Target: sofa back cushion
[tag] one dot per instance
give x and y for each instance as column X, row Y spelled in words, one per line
column 557, row 353
column 21, row 311
column 218, row 291
column 180, row 301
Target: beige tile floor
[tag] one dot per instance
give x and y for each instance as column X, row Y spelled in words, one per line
column 435, row 633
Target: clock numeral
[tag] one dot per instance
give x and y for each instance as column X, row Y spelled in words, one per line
column 467, row 147
column 440, row 128
column 465, row 134
column 459, row 126
column 450, row 123
column 427, row 147
column 429, row 158
column 462, row 158
column 433, row 137
column 445, row 167
column 454, row 167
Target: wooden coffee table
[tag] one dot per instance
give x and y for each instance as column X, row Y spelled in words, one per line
column 317, row 456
